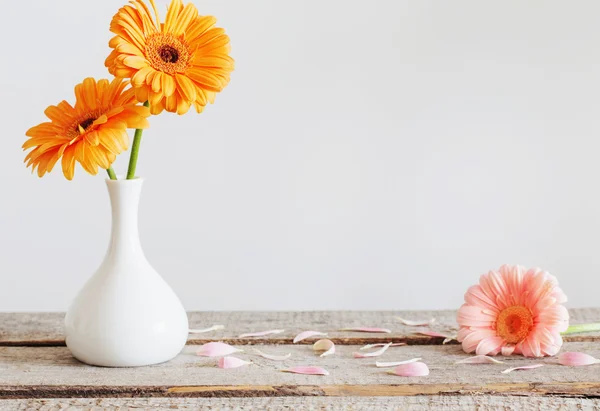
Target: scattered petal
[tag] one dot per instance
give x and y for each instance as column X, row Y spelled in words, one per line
column 326, row 346
column 308, row 370
column 395, row 363
column 480, row 359
column 307, row 334
column 216, row 349
column 369, row 346
column 206, row 330
column 524, row 367
column 261, row 333
column 273, row 357
column 414, row 369
column 374, row 353
column 577, row 359
column 232, row 362
column 447, row 340
column 412, row 323
column 367, row 330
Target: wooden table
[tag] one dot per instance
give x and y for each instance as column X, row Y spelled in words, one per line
column 38, row 372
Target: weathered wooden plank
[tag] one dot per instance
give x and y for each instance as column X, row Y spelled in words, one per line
column 418, row 403
column 51, row 372
column 46, row 329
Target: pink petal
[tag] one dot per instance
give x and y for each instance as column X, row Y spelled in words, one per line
column 308, row 370
column 524, row 367
column 415, row 369
column 412, row 323
column 369, row 346
column 307, row 334
column 216, row 349
column 374, row 353
column 395, row 363
column 577, row 359
column 507, row 350
column 479, row 359
column 232, row 362
column 367, row 330
column 273, row 357
column 206, row 330
column 326, row 346
column 489, row 345
column 261, row 333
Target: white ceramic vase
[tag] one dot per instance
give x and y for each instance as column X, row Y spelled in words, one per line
column 126, row 315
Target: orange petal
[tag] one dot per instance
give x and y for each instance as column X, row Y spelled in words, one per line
column 200, row 26
column 135, row 62
column 68, row 163
column 157, row 108
column 171, row 103
column 186, row 87
column 172, row 13
column 89, row 93
column 189, row 13
column 139, row 78
column 155, row 98
column 141, row 94
column 110, row 142
column 168, row 85
column 92, row 138
column 204, row 79
column 183, row 105
column 157, row 81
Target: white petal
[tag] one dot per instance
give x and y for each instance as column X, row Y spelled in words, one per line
column 374, row 353
column 327, row 347
column 369, row 346
column 412, row 323
column 307, row 334
column 524, row 367
column 395, row 363
column 273, row 357
column 479, row 359
column 308, row 370
column 260, row 333
column 206, row 330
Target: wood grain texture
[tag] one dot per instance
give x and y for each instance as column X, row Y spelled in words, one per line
column 419, row 403
column 51, row 372
column 46, row 329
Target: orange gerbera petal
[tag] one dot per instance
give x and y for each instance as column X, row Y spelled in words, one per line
column 181, row 63
column 92, row 133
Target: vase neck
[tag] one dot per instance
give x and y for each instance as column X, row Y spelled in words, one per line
column 124, row 201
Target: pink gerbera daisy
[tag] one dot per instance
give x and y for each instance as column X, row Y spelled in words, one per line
column 513, row 310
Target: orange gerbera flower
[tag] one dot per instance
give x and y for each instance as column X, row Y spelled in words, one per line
column 173, row 65
column 92, row 133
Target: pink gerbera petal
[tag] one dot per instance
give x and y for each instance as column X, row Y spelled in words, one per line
column 513, row 311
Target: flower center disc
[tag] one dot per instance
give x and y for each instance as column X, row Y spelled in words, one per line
column 167, row 53
column 514, row 324
column 87, row 122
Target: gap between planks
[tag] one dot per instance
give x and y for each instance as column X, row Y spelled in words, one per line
column 359, row 340
column 556, row 389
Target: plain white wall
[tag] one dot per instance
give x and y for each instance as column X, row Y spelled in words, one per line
column 366, row 155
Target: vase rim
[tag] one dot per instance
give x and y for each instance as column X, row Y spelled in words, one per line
column 121, row 179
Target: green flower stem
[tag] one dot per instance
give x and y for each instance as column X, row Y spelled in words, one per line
column 111, row 173
column 582, row 328
column 135, row 151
